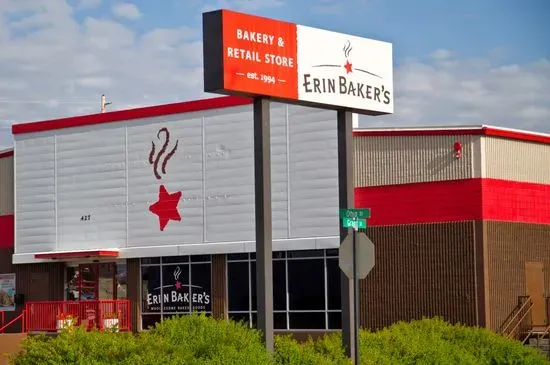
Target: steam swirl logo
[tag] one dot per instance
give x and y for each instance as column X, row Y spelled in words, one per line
column 155, row 160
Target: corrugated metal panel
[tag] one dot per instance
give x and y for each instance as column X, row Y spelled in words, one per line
column 421, row 270
column 35, row 194
column 219, row 287
column 6, row 185
column 509, row 246
column 93, row 187
column 389, row 160
column 517, row 160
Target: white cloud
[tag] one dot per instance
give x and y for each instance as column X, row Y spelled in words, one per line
column 126, row 11
column 88, row 4
column 455, row 91
column 243, row 5
column 58, row 67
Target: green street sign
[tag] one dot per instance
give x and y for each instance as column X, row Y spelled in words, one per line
column 354, row 223
column 355, row 213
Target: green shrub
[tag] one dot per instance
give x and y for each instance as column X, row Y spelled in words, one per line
column 434, row 341
column 200, row 340
column 325, row 351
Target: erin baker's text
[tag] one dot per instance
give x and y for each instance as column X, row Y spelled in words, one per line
column 344, row 86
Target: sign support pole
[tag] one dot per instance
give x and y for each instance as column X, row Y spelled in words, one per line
column 355, row 298
column 262, row 186
column 346, row 200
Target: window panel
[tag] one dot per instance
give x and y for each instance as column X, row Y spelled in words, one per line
column 306, row 280
column 175, row 288
column 240, row 317
column 175, row 259
column 238, row 284
column 279, row 321
column 149, row 320
column 279, row 285
column 333, row 284
column 335, row 320
column 201, row 297
column 150, row 289
column 307, row 320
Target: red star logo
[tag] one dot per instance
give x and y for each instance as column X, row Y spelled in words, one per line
column 347, row 66
column 178, row 285
column 166, row 207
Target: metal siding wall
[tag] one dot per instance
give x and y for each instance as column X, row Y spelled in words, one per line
column 35, row 220
column 421, row 270
column 6, row 185
column 313, row 172
column 391, row 160
column 509, row 246
column 517, row 160
column 91, row 180
column 103, row 172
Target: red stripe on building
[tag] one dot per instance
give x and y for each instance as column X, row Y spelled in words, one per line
column 136, row 113
column 6, row 154
column 6, row 231
column 456, row 200
column 516, row 201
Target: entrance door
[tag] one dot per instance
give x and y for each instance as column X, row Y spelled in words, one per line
column 534, row 283
column 97, row 281
column 88, row 284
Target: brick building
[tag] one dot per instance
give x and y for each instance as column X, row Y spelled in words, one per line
column 461, row 223
column 460, row 216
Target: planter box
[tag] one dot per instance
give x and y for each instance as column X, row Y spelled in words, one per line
column 65, row 323
column 110, row 324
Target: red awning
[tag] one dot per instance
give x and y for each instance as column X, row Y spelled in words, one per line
column 76, row 254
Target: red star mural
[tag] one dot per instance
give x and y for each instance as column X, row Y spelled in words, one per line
column 178, row 285
column 166, row 207
column 347, row 66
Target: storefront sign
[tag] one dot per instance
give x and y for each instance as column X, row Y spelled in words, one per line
column 7, row 292
column 256, row 56
column 176, row 295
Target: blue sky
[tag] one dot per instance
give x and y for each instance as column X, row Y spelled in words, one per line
column 459, row 62
column 472, row 28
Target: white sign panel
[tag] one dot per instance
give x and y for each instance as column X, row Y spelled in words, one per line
column 251, row 55
column 347, row 71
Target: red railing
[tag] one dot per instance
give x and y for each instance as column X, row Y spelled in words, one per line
column 99, row 314
column 19, row 317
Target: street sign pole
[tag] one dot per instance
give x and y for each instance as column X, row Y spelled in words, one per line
column 355, row 297
column 346, row 200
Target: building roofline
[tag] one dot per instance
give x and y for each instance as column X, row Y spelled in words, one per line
column 486, row 130
column 129, row 114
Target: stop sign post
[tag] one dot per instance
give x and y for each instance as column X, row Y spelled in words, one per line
column 356, row 258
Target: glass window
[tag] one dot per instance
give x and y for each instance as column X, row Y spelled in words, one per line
column 306, row 289
column 177, row 286
column 121, row 281
column 306, row 284
column 200, row 288
column 150, row 289
column 307, row 320
column 333, row 284
column 238, row 286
